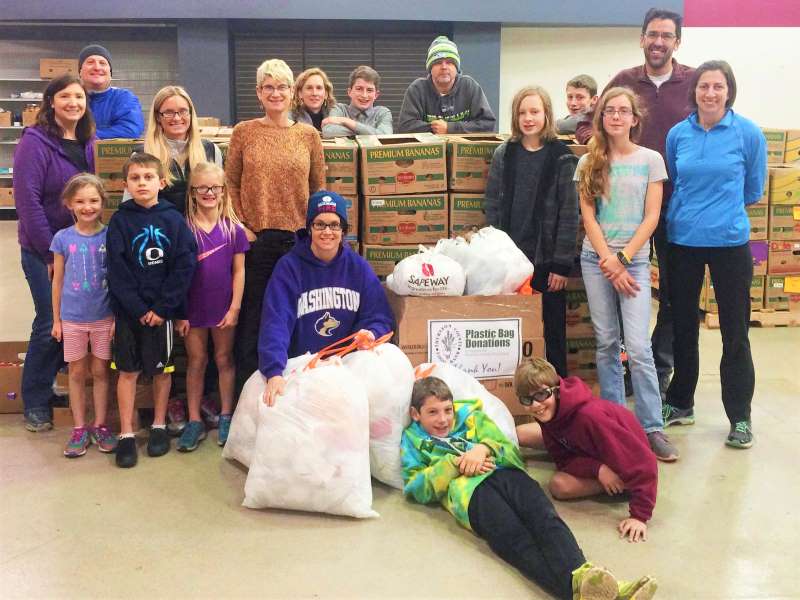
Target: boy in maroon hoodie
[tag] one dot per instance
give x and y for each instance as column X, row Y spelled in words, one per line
column 598, row 446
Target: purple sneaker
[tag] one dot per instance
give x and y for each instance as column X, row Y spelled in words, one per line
column 176, row 416
column 103, row 438
column 78, row 442
column 210, row 412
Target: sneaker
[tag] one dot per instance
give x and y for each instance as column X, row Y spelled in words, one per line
column 193, row 434
column 37, row 422
column 176, row 416
column 224, row 429
column 158, row 444
column 741, row 435
column 208, row 408
column 662, row 447
column 677, row 416
column 103, row 438
column 126, row 453
column 642, row 589
column 78, row 442
column 593, row 583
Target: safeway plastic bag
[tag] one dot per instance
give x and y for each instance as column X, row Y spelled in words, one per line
column 242, row 435
column 312, row 446
column 388, row 377
column 465, row 386
column 427, row 274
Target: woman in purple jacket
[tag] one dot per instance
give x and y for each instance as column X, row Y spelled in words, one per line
column 60, row 145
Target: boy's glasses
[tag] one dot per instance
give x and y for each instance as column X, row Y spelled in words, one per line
column 622, row 112
column 204, row 189
column 171, row 114
column 538, row 396
column 320, row 226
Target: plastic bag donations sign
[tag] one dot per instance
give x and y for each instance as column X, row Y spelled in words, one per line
column 484, row 348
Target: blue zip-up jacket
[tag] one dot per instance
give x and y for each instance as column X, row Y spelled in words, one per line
column 152, row 254
column 309, row 304
column 117, row 114
column 715, row 174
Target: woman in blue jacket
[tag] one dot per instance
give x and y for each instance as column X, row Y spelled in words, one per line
column 717, row 162
column 320, row 292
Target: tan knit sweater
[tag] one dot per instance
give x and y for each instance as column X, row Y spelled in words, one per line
column 271, row 171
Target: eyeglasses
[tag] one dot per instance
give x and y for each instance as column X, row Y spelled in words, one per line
column 204, row 189
column 654, row 35
column 271, row 89
column 320, row 226
column 622, row 112
column 538, row 396
column 171, row 114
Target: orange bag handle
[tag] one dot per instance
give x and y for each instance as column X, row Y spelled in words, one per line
column 337, row 349
column 420, row 373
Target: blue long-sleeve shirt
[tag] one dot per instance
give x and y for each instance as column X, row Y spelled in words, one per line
column 117, row 114
column 715, row 174
column 309, row 304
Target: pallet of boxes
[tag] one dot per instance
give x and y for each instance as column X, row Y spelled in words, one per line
column 341, row 176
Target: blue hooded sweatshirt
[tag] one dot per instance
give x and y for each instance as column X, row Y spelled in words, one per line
column 152, row 254
column 309, row 304
column 117, row 114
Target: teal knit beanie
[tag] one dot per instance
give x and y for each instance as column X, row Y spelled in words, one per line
column 440, row 48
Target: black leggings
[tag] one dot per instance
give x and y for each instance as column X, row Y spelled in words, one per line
column 510, row 511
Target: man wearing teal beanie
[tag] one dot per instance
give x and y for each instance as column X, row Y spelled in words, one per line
column 445, row 101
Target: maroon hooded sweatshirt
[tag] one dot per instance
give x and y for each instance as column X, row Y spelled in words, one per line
column 587, row 432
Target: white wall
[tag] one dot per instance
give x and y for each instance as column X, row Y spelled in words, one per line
column 764, row 61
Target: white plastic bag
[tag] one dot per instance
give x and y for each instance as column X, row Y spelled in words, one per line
column 465, row 386
column 242, row 435
column 312, row 446
column 388, row 377
column 427, row 274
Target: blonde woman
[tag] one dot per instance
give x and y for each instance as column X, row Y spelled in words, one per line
column 173, row 136
column 273, row 166
column 313, row 98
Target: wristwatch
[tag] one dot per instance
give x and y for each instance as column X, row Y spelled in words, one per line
column 623, row 258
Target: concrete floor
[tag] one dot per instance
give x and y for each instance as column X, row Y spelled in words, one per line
column 725, row 527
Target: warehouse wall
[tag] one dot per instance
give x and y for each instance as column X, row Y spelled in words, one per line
column 763, row 60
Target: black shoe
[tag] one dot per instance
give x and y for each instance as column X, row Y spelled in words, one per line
column 158, row 444
column 126, row 453
column 57, row 401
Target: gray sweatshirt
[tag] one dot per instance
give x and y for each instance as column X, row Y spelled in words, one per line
column 465, row 108
column 373, row 121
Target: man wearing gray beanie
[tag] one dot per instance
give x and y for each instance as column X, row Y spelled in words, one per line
column 445, row 101
column 116, row 111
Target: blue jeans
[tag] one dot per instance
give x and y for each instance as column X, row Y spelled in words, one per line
column 45, row 355
column 603, row 299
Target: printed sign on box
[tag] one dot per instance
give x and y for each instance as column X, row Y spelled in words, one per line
column 484, row 348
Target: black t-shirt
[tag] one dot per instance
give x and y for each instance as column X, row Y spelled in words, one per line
column 316, row 119
column 76, row 153
column 528, row 172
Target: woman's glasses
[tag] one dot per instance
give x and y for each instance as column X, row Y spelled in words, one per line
column 320, row 226
column 171, row 114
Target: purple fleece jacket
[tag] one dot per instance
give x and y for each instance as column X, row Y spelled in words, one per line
column 41, row 169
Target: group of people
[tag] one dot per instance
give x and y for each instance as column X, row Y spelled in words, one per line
column 251, row 259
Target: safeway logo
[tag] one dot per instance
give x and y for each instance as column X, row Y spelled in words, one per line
column 427, row 269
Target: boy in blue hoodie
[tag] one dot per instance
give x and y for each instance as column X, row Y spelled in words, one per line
column 454, row 454
column 151, row 260
column 320, row 292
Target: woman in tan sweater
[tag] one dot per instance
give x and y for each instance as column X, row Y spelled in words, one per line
column 273, row 166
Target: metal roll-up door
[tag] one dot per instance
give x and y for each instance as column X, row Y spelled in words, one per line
column 400, row 59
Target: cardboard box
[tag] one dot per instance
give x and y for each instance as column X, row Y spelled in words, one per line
column 708, row 300
column 414, row 219
column 109, row 157
column 782, row 292
column 50, row 68
column 760, row 252
column 409, row 163
column 792, row 153
column 757, row 292
column 485, row 336
column 29, row 114
column 6, row 118
column 784, row 184
column 469, row 157
column 579, row 320
column 62, row 417
column 582, row 357
column 784, row 222
column 578, row 149
column 382, row 259
column 466, row 212
column 341, row 166
column 784, row 257
column 11, row 377
column 757, row 213
column 776, row 144
column 352, row 217
column 208, row 122
column 654, row 275
column 6, row 196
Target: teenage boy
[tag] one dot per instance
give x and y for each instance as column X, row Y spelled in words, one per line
column 361, row 117
column 151, row 260
column 598, row 447
column 454, row 454
column 581, row 98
